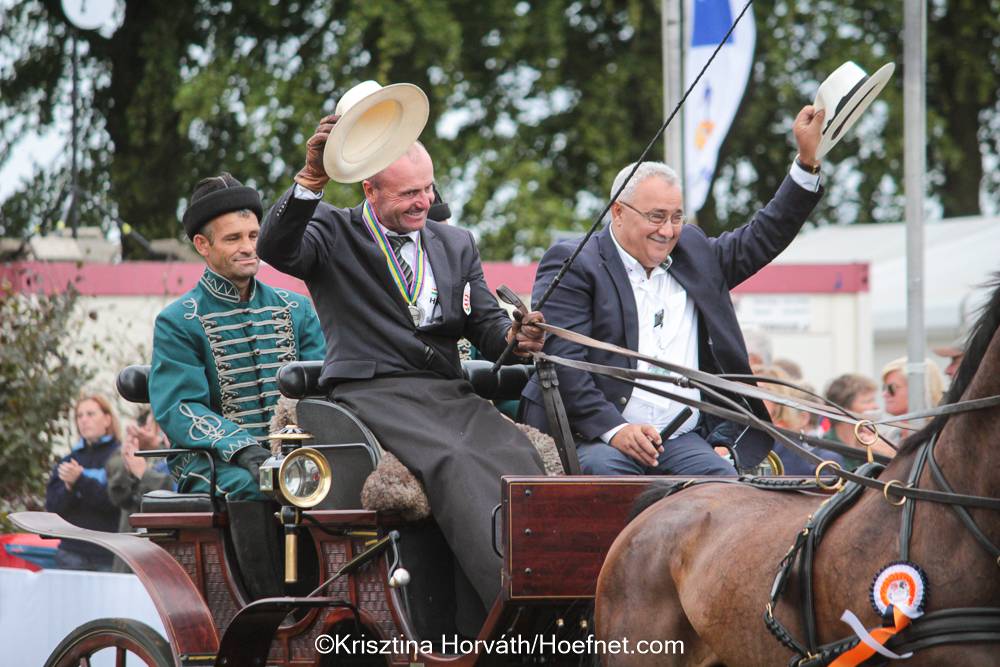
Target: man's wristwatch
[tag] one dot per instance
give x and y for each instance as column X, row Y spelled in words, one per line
column 811, row 168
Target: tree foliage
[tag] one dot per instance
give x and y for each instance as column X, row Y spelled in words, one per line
column 40, row 378
column 534, row 105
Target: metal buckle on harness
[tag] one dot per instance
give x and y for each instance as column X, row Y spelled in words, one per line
column 867, row 427
column 885, row 492
column 828, row 487
column 802, row 661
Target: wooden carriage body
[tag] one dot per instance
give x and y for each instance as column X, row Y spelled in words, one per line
column 552, row 533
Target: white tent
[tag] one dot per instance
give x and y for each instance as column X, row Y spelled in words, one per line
column 961, row 254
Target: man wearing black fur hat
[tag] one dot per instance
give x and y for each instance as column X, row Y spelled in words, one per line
column 217, row 349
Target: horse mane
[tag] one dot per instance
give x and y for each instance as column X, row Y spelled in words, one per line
column 980, row 337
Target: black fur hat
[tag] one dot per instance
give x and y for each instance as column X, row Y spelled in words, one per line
column 218, row 195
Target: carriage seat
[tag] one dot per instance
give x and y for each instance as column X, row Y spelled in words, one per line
column 300, row 379
column 163, row 501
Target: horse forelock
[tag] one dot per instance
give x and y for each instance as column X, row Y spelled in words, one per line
column 980, row 355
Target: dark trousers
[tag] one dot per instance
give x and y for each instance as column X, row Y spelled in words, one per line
column 459, row 446
column 687, row 454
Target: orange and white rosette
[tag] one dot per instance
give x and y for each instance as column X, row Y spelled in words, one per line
column 898, row 594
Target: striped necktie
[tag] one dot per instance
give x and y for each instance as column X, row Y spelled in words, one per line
column 397, row 243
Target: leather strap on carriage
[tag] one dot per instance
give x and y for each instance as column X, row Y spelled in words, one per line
column 941, row 627
column 963, row 514
column 937, row 628
column 735, row 412
column 703, row 378
column 801, row 554
column 555, row 412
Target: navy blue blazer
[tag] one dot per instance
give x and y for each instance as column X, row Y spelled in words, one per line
column 596, row 299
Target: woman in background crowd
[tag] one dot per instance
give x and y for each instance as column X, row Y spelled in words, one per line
column 78, row 487
column 896, row 394
column 793, row 420
column 857, row 394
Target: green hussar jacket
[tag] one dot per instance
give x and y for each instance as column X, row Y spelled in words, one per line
column 213, row 382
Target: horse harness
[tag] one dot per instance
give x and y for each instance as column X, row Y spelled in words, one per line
column 949, row 626
column 958, row 625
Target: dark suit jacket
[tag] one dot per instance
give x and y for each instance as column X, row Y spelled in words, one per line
column 367, row 327
column 596, row 299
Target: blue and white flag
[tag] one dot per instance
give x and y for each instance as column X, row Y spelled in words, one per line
column 710, row 108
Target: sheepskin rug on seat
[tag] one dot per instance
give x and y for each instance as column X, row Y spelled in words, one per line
column 393, row 488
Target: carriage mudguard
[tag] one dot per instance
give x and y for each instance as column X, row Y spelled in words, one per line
column 186, row 619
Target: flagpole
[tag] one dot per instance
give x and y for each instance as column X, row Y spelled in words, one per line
column 673, row 77
column 914, row 156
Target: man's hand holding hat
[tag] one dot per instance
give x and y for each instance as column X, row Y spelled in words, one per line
column 313, row 176
column 808, row 129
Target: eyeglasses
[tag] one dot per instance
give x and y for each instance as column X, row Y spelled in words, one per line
column 890, row 389
column 658, row 216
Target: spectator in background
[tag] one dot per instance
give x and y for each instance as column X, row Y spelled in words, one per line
column 791, row 368
column 953, row 351
column 895, row 393
column 78, row 487
column 856, row 393
column 131, row 476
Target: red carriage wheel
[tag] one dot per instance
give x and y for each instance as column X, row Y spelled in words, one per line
column 120, row 637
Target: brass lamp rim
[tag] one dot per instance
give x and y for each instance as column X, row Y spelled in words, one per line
column 326, row 474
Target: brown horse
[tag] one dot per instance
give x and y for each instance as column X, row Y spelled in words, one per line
column 697, row 566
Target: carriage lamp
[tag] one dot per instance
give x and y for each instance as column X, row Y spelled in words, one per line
column 304, row 477
column 289, row 438
column 299, row 476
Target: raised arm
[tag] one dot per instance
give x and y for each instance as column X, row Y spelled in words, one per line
column 287, row 240
column 744, row 251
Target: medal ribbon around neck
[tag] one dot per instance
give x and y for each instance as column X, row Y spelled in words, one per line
column 410, row 291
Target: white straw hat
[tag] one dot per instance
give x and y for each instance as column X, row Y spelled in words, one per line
column 845, row 95
column 377, row 125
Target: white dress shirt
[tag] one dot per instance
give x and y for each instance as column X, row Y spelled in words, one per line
column 668, row 330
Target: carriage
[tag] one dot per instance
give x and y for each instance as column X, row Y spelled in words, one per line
column 315, row 579
column 356, row 586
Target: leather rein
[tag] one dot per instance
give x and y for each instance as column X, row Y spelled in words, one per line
column 727, row 408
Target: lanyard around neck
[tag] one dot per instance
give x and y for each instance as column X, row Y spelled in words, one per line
column 410, row 290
